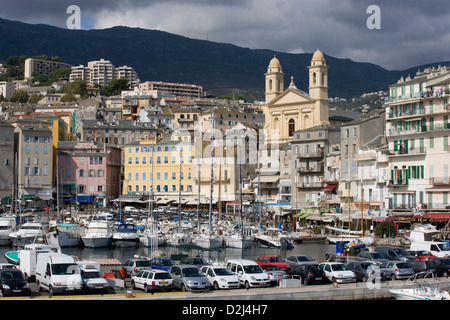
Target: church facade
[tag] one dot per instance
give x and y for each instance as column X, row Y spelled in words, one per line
column 290, row 110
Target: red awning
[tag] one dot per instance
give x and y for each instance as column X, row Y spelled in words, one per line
column 437, row 216
column 233, row 202
column 330, row 186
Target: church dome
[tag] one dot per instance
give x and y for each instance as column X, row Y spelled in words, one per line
column 274, row 63
column 318, row 56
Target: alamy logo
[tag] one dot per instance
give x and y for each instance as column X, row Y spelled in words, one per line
column 374, row 21
column 74, row 21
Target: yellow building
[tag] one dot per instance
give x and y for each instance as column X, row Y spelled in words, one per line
column 153, row 164
column 290, row 110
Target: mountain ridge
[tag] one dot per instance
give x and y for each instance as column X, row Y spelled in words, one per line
column 220, row 68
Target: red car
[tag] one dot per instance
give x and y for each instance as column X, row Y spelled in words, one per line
column 422, row 254
column 272, row 261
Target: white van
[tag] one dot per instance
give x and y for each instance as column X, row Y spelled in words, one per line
column 439, row 249
column 249, row 272
column 58, row 273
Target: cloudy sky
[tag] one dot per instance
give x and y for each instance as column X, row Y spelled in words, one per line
column 410, row 32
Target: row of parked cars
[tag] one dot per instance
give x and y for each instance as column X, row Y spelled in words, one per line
column 194, row 273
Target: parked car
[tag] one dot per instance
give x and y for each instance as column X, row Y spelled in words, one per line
column 366, row 270
column 443, row 266
column 13, row 283
column 275, row 273
column 272, row 261
column 309, row 272
column 421, row 254
column 425, row 266
column 394, row 270
column 395, row 253
column 376, row 257
column 196, row 261
column 189, row 277
column 151, row 280
column 161, row 263
column 133, row 266
column 249, row 272
column 338, row 272
column 92, row 279
column 296, row 260
column 220, row 277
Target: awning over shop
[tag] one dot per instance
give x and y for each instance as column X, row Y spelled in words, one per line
column 266, row 179
column 330, row 186
column 436, row 216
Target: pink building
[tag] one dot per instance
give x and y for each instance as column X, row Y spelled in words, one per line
column 88, row 171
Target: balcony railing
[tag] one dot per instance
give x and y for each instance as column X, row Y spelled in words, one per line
column 404, row 151
column 440, row 181
column 398, row 182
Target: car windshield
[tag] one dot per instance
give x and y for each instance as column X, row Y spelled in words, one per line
column 253, row 269
column 339, row 267
column 275, row 259
column 167, row 263
column 401, row 252
column 91, row 274
column 424, row 253
column 366, row 265
column 376, row 255
column 143, row 263
column 64, row 268
column 192, row 272
column 304, row 258
column 223, row 272
column 162, row 276
column 314, row 268
column 10, row 275
column 198, row 261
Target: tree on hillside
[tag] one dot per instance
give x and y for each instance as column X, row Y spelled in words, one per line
column 115, row 87
column 78, row 86
column 20, row 96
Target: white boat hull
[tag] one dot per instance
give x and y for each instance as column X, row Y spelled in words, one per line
column 240, row 243
column 208, row 242
column 126, row 242
column 63, row 239
column 179, row 239
column 363, row 240
column 93, row 241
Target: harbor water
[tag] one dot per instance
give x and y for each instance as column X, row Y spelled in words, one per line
column 316, row 250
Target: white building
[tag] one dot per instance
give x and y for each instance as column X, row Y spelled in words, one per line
column 7, row 89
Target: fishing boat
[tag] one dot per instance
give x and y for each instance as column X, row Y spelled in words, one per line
column 273, row 237
column 29, row 232
column 179, row 238
column 65, row 235
column 7, row 226
column 238, row 240
column 13, row 256
column 348, row 235
column 126, row 235
column 425, row 290
column 98, row 234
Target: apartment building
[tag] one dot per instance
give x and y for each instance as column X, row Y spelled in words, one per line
column 7, row 89
column 7, row 161
column 88, row 171
column 37, row 66
column 170, row 89
column 35, row 161
column 101, row 72
column 162, row 166
column 417, row 130
column 133, row 101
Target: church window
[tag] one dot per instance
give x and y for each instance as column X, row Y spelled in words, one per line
column 291, row 127
column 270, row 85
column 314, row 78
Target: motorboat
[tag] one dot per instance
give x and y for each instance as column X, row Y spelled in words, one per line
column 179, row 238
column 7, row 226
column 13, row 256
column 424, row 290
column 273, row 237
column 237, row 240
column 126, row 235
column 65, row 235
column 29, row 232
column 208, row 241
column 150, row 236
column 348, row 235
column 98, row 234
column 421, row 233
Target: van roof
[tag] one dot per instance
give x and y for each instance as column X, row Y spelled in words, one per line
column 243, row 261
column 60, row 258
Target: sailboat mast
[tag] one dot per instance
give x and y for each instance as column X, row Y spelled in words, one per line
column 212, row 172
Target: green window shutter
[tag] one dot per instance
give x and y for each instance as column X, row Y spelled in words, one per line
column 431, row 142
column 446, row 126
column 445, row 143
column 422, row 174
column 431, row 124
column 445, row 197
column 395, row 145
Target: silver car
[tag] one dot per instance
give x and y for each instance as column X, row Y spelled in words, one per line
column 275, row 274
column 397, row 270
column 189, row 277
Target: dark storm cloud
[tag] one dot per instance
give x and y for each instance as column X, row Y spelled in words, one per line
column 412, row 32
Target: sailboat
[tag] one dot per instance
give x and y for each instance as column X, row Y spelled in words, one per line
column 209, row 240
column 238, row 239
